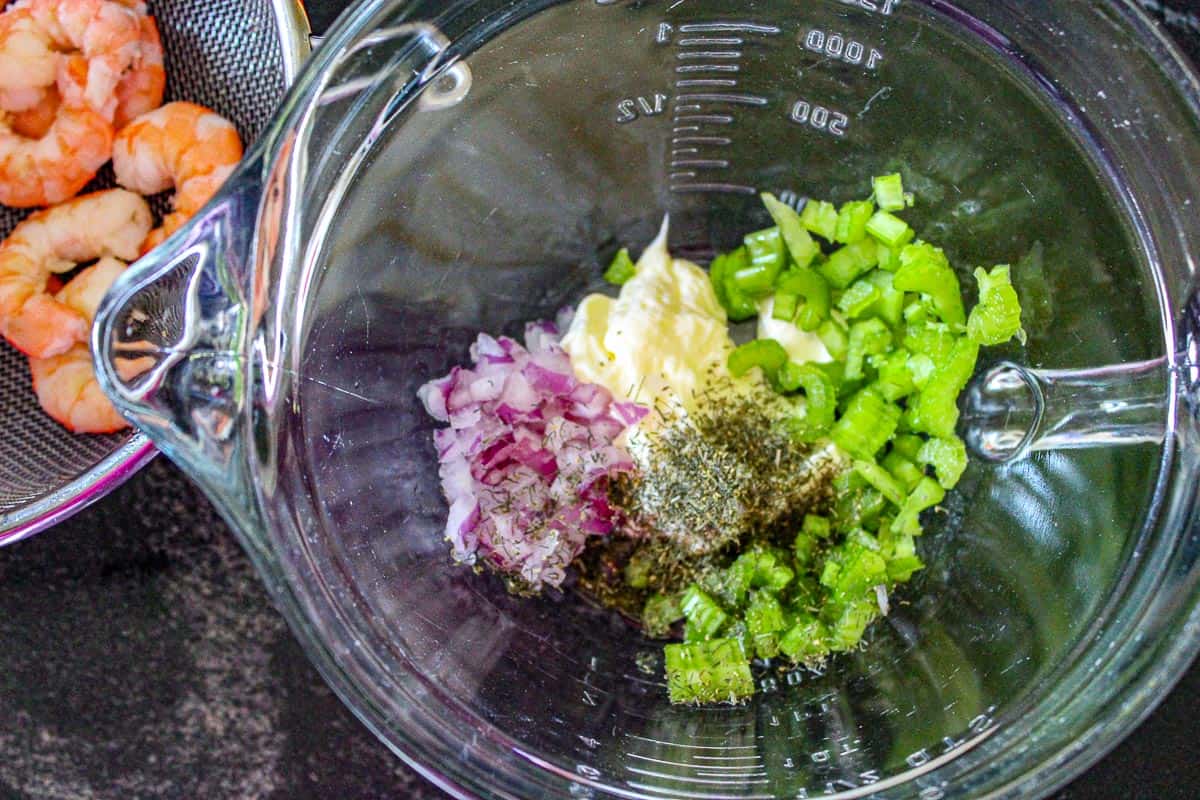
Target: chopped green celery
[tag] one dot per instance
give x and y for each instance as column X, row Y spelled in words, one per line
column 833, row 336
column 895, row 380
column 929, row 338
column 704, row 616
column 921, row 367
column 767, row 354
column 847, row 263
column 852, row 221
column 820, row 217
column 948, row 457
column 888, row 257
column 889, row 192
column 860, row 567
column 817, row 526
column 903, row 470
column 765, row 622
column 855, row 301
column 908, row 446
column 997, row 317
column 737, row 305
column 847, row 630
column 867, row 424
column 860, row 509
column 799, row 244
column 715, row 671
column 659, row 614
column 758, row 569
column 889, row 230
column 785, row 306
column 807, row 283
column 882, row 480
column 804, row 549
column 918, row 311
column 900, row 549
column 935, row 408
column 869, row 337
column 925, row 269
column 926, row 494
column 890, row 305
column 621, row 269
column 807, row 640
column 820, row 400
column 767, row 256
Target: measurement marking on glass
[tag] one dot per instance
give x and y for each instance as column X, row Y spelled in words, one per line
column 731, row 27
column 685, row 128
column 717, row 55
column 684, row 151
column 715, row 119
column 738, row 781
column 679, row 108
column 742, row 99
column 837, row 46
column 701, row 163
column 707, row 40
column 664, row 762
column 819, row 118
column 729, row 188
column 696, row 83
column 720, row 141
column 709, row 68
column 677, row 175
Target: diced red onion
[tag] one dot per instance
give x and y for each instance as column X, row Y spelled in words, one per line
column 526, row 461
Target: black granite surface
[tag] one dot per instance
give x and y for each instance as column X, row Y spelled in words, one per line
column 140, row 658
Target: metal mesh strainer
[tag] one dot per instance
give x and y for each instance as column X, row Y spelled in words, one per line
column 236, row 57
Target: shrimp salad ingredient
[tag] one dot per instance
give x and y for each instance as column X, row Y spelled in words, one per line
column 111, row 223
column 182, row 146
column 65, row 384
column 527, row 458
column 767, row 517
column 82, row 82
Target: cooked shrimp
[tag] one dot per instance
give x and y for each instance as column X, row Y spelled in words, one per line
column 34, row 34
column 111, row 223
column 54, row 167
column 141, row 90
column 66, row 384
column 180, row 145
column 34, row 121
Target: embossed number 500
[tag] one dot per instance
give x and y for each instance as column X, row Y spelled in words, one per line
column 819, row 118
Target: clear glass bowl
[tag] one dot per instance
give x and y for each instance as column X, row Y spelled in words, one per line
column 445, row 168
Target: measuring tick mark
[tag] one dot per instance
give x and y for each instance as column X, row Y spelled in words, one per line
column 685, row 128
column 718, row 140
column 732, row 27
column 709, row 68
column 689, row 107
column 684, row 151
column 701, row 163
column 676, row 175
column 729, row 188
column 716, row 119
column 744, row 99
column 704, row 40
column 715, row 54
column 695, row 83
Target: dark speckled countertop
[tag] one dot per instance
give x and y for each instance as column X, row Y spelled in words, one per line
column 141, row 658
